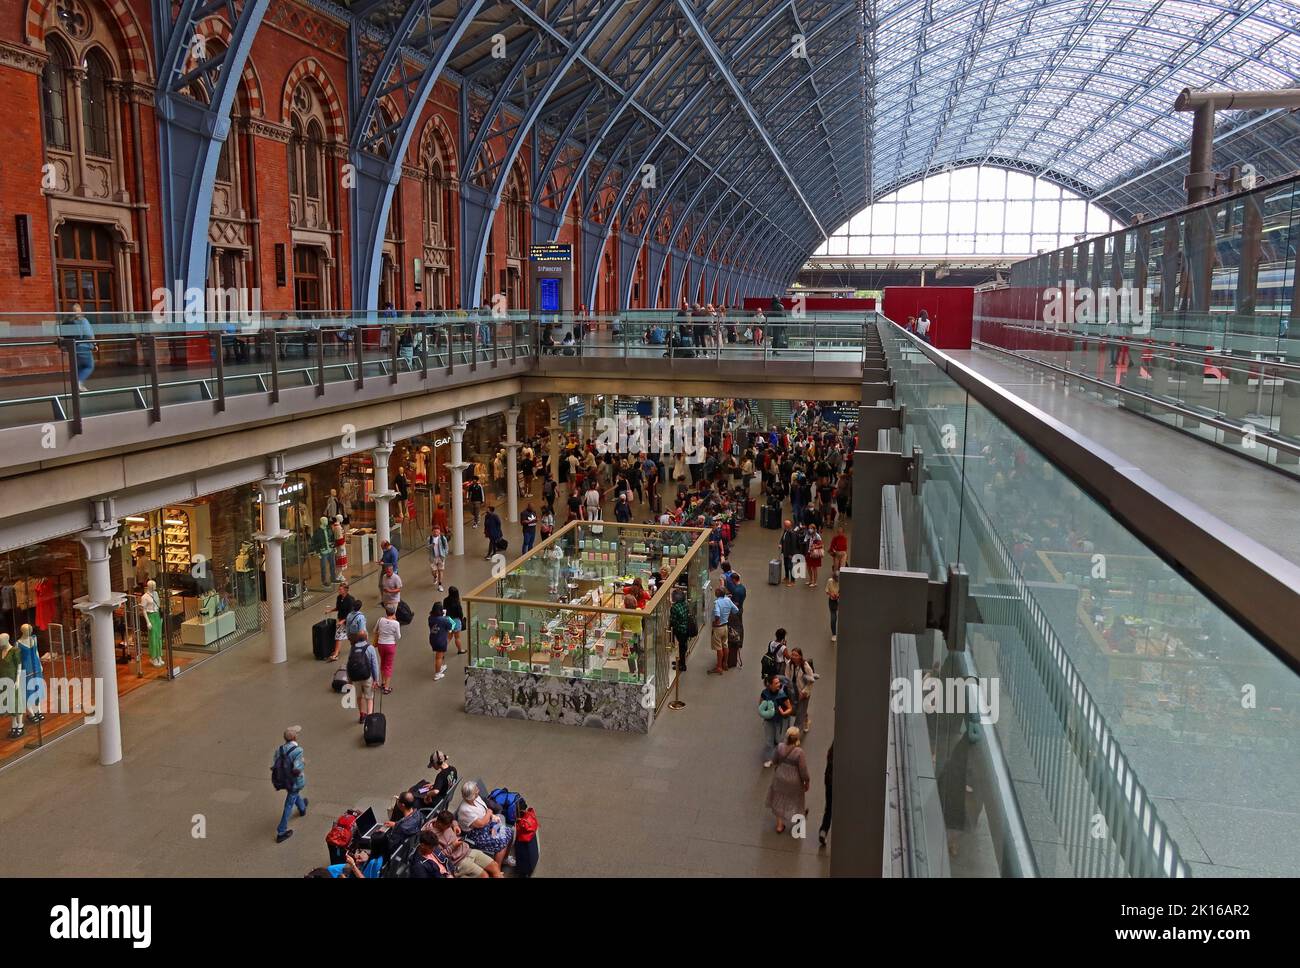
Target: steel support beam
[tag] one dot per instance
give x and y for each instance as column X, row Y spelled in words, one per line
column 191, row 133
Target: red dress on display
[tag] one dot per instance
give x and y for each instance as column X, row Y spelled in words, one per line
column 46, row 613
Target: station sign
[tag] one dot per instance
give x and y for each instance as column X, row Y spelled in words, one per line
column 550, row 252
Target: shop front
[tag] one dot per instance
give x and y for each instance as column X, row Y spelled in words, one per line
column 193, row 575
column 551, row 640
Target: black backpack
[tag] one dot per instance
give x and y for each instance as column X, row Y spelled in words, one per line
column 359, row 662
column 282, row 771
column 770, row 664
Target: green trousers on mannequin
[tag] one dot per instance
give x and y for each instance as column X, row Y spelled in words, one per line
column 155, row 635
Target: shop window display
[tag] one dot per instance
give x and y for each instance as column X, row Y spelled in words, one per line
column 552, row 639
column 39, row 642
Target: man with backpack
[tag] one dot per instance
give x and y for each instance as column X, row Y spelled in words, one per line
column 288, row 773
column 363, row 673
column 775, row 658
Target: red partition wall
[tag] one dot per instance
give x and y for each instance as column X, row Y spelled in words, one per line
column 814, row 304
column 951, row 309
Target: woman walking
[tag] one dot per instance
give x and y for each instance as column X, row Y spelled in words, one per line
column 774, row 706
column 387, row 632
column 787, row 795
column 816, row 550
column 451, row 605
column 802, row 677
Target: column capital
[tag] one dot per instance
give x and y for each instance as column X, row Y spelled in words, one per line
column 98, row 537
column 458, row 432
column 513, row 412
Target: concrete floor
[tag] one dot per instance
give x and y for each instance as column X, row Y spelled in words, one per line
column 193, row 795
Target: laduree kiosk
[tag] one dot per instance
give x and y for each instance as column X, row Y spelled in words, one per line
column 550, row 640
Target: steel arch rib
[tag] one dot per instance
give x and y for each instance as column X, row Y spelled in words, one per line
column 476, row 225
column 191, row 134
column 371, row 198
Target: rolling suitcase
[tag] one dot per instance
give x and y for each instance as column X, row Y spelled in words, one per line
column 771, row 517
column 774, row 571
column 375, row 728
column 339, row 681
column 751, row 509
column 322, row 638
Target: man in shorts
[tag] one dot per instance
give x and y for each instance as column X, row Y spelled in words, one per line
column 723, row 607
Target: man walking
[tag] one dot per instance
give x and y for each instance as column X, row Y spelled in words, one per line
column 288, row 773
column 492, row 531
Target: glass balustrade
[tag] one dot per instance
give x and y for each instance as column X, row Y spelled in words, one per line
column 1144, row 731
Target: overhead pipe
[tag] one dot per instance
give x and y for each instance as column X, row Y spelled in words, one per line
column 1203, row 105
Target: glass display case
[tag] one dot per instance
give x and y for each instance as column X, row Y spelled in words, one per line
column 550, row 638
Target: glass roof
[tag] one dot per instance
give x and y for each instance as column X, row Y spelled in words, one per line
column 776, row 120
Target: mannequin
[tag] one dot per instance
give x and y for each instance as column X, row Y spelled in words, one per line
column 340, row 548
column 402, row 487
column 11, row 681
column 246, row 583
column 421, row 474
column 151, row 605
column 210, row 604
column 322, row 542
column 33, row 674
column 333, row 506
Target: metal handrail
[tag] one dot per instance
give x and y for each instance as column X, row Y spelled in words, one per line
column 1267, row 439
column 1233, row 360
column 1255, row 585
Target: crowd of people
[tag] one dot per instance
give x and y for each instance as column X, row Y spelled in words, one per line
column 736, row 464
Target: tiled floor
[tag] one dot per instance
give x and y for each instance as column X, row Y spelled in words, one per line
column 193, row 794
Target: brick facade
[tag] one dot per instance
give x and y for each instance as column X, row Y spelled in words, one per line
column 295, row 43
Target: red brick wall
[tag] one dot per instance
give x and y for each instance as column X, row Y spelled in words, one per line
column 290, row 33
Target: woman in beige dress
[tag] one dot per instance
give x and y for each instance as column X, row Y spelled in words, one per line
column 787, row 795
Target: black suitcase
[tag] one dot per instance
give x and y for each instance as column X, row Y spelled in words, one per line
column 322, row 638
column 339, row 681
column 771, row 517
column 375, row 729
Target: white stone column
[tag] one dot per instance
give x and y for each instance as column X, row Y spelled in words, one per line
column 380, row 493
column 272, row 539
column 587, row 425
column 554, row 438
column 457, row 467
column 654, row 408
column 99, row 603
column 512, row 464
